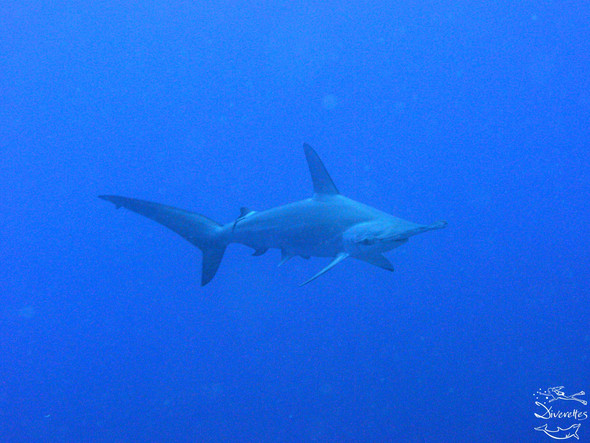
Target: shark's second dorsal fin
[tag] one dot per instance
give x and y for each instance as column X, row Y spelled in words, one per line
column 322, row 183
column 244, row 211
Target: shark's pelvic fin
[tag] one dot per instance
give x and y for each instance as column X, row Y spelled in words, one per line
column 201, row 231
column 376, row 260
column 322, row 183
column 285, row 257
column 259, row 252
column 333, row 263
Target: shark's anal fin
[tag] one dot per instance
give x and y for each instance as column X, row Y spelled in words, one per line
column 322, row 183
column 333, row 263
column 376, row 260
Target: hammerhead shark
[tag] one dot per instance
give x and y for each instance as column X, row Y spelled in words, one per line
column 326, row 225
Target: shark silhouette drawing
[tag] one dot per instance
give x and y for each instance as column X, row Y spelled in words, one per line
column 560, row 433
column 326, row 225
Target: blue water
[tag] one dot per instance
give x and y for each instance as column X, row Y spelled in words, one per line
column 477, row 114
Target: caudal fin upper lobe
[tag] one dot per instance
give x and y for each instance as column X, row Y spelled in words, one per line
column 201, row 231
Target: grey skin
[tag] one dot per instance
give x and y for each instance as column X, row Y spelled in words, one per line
column 326, row 225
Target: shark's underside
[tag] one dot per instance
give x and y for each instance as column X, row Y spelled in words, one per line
column 326, row 225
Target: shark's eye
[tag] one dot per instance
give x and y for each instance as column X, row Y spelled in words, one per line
column 367, row 241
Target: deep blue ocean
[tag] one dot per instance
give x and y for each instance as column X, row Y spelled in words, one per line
column 474, row 113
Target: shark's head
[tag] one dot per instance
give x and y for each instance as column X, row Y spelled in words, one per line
column 377, row 236
column 372, row 237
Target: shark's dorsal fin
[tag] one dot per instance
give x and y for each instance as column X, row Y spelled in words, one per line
column 322, row 183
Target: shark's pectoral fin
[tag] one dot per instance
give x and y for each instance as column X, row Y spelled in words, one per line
column 333, row 263
column 376, row 260
column 259, row 252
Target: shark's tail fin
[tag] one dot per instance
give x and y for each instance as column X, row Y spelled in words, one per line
column 201, row 231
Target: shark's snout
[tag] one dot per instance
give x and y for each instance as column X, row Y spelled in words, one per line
column 438, row 225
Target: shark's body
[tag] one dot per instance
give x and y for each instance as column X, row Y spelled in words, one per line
column 325, row 225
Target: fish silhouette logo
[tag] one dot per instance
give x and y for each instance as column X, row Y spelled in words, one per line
column 559, row 433
column 562, row 412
